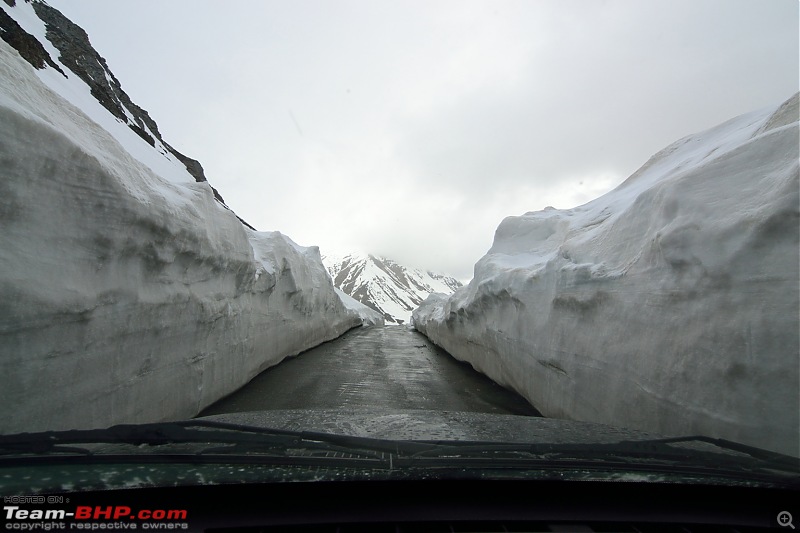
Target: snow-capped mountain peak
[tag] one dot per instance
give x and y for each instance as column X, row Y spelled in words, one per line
column 388, row 287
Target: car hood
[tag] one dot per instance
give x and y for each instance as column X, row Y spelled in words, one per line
column 371, row 444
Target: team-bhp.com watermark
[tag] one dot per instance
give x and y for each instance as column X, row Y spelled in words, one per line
column 22, row 517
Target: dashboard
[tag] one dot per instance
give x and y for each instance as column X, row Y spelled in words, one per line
column 419, row 505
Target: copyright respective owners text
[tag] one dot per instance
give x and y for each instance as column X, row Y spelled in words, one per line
column 57, row 512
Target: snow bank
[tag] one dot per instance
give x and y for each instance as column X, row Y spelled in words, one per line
column 125, row 295
column 670, row 304
column 369, row 317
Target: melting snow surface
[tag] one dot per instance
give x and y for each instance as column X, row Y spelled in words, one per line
column 124, row 286
column 669, row 304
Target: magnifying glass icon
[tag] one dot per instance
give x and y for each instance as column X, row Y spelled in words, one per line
column 785, row 519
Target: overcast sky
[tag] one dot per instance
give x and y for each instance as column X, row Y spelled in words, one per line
column 412, row 128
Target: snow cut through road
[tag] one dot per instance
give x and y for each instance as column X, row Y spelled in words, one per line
column 381, row 367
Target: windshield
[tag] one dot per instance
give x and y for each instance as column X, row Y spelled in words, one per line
column 351, row 240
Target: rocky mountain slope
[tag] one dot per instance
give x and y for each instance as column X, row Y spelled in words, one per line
column 76, row 53
column 385, row 285
column 670, row 304
column 128, row 291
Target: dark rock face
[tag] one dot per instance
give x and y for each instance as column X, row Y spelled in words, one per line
column 80, row 57
column 26, row 44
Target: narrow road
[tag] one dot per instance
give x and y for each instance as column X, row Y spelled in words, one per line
column 380, row 367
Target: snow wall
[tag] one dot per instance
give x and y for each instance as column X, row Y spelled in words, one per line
column 125, row 296
column 669, row 304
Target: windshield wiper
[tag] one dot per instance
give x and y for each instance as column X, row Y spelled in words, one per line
column 209, row 441
column 648, row 449
column 631, row 455
column 218, row 438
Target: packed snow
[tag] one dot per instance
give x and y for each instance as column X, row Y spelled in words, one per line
column 127, row 293
column 369, row 317
column 669, row 305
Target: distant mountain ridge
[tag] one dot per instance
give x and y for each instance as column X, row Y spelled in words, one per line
column 385, row 285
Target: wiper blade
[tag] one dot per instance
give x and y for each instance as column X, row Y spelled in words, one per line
column 633, row 448
column 646, row 454
column 662, row 446
column 210, row 441
column 224, row 438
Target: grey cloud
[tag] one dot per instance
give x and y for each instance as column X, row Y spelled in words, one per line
column 424, row 124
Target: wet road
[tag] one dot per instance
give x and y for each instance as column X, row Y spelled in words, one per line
column 380, row 367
